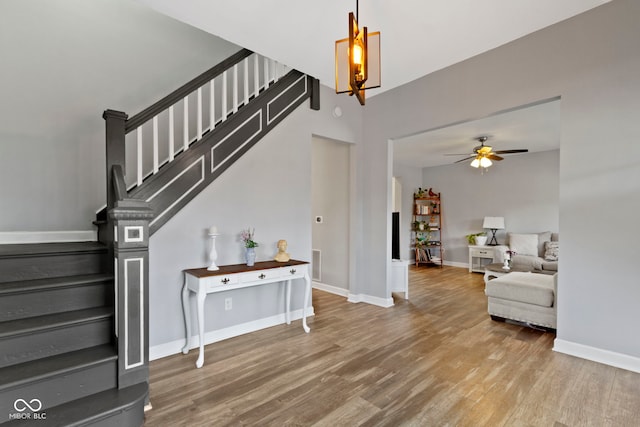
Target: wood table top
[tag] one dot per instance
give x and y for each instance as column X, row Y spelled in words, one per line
column 241, row 268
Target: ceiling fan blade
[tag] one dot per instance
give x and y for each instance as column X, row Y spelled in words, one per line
column 492, row 156
column 465, row 159
column 523, row 150
column 459, row 154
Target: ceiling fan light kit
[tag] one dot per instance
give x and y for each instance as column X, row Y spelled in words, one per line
column 483, row 155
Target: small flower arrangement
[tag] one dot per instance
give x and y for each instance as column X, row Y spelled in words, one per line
column 511, row 254
column 247, row 238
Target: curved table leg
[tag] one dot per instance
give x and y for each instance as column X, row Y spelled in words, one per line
column 186, row 310
column 201, row 297
column 307, row 294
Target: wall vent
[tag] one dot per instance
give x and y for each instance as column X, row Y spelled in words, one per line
column 316, row 265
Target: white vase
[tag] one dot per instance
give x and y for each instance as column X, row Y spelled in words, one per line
column 250, row 256
column 481, row 240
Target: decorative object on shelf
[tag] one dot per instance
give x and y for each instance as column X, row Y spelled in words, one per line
column 250, row 245
column 508, row 255
column 479, row 239
column 357, row 60
column 422, row 240
column 282, row 255
column 250, row 256
column 493, row 223
column 213, row 254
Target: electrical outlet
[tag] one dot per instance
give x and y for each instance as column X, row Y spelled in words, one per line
column 227, row 304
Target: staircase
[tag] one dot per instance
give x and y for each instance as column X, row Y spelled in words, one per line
column 74, row 316
column 58, row 358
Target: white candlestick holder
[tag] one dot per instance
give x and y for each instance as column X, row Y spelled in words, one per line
column 213, row 254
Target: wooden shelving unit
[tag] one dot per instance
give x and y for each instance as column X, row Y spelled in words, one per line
column 427, row 227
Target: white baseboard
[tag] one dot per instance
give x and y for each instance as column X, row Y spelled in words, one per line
column 174, row 347
column 381, row 302
column 331, row 289
column 606, row 357
column 355, row 298
column 457, row 264
column 17, row 237
column 449, row 263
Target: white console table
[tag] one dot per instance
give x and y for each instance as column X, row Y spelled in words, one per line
column 203, row 282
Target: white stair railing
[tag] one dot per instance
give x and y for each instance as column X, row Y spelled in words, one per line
column 152, row 144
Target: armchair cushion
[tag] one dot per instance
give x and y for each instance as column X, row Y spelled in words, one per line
column 543, row 238
column 529, row 288
column 551, row 251
column 524, row 244
column 527, row 261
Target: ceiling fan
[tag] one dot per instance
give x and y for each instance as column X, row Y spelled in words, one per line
column 483, row 155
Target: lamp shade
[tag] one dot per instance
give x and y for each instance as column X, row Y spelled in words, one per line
column 485, row 162
column 493, row 222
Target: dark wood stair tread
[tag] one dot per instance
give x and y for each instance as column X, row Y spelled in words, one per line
column 53, row 321
column 96, row 409
column 40, row 249
column 36, row 370
column 52, row 283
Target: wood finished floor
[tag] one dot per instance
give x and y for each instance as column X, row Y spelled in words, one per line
column 435, row 360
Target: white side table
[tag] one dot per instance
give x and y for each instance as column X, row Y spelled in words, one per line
column 479, row 257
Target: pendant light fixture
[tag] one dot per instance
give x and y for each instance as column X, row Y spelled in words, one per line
column 357, row 60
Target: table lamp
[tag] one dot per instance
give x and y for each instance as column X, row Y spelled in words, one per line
column 493, row 223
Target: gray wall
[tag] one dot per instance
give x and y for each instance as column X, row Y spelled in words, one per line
column 524, row 189
column 63, row 64
column 269, row 188
column 57, row 81
column 330, row 199
column 592, row 62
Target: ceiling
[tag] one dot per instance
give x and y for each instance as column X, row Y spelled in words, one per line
column 534, row 127
column 418, row 37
